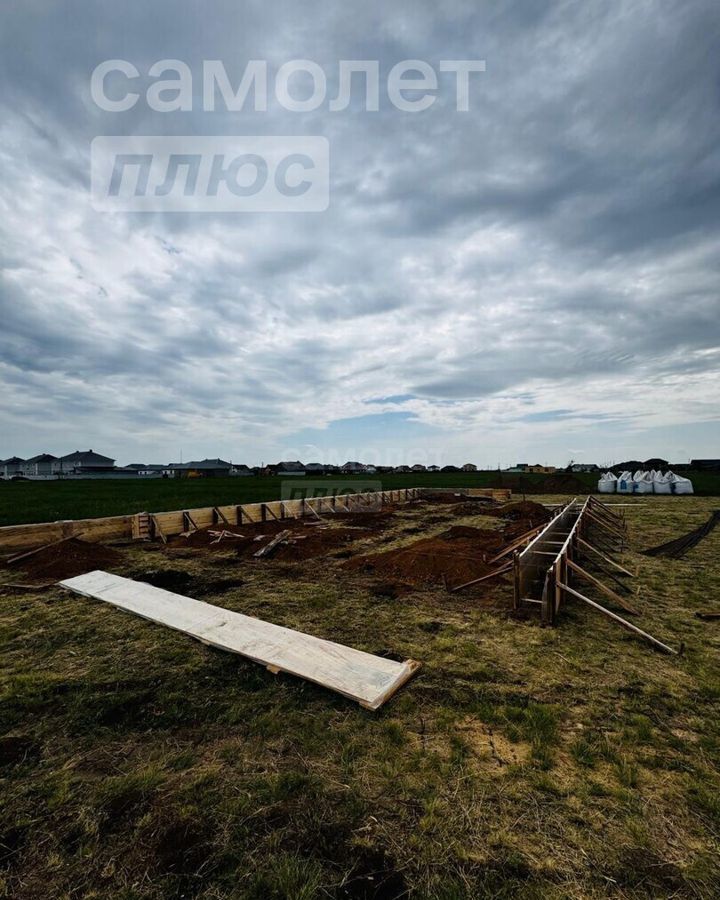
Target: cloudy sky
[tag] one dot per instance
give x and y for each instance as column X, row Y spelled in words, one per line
column 536, row 279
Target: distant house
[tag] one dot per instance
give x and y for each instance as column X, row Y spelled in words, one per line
column 85, row 462
column 203, row 468
column 289, row 467
column 401, row 469
column 370, row 470
column 584, row 467
column 433, row 468
column 152, row 469
column 538, row 469
column 42, row 464
column 469, row 467
column 353, row 467
column 316, row 468
column 418, row 467
column 12, row 466
column 450, row 469
column 519, row 467
column 241, row 470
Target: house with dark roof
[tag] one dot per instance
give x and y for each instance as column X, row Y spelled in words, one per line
column 42, row 464
column 351, row 467
column 85, row 462
column 202, row 468
column 11, row 466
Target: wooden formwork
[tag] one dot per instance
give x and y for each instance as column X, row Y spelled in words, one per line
column 162, row 525
column 545, row 569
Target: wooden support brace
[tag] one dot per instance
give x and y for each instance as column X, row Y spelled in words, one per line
column 601, row 587
column 518, row 542
column 158, row 529
column 221, row 515
column 499, row 571
column 625, row 624
column 607, row 559
column 20, row 556
column 606, row 525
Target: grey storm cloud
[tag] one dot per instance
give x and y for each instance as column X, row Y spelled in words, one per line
column 553, row 249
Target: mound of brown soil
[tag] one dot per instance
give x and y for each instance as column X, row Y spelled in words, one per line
column 458, row 555
column 522, row 510
column 66, row 560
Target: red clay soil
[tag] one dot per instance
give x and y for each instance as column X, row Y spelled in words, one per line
column 457, row 556
column 66, row 560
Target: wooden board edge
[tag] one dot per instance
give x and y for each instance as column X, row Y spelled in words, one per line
column 411, row 666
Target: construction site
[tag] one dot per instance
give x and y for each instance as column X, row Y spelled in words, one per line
column 419, row 692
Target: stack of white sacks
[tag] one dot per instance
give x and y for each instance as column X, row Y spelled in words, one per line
column 644, row 483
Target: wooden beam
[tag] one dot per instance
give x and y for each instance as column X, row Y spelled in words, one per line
column 601, row 587
column 611, row 615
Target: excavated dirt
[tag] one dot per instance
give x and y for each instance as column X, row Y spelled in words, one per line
column 522, row 511
column 453, row 557
column 66, row 560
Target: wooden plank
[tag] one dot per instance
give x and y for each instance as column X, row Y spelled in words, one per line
column 268, row 548
column 611, row 615
column 361, row 676
column 602, row 587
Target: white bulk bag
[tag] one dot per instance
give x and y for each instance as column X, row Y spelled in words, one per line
column 662, row 484
column 643, row 483
column 681, row 485
column 625, row 483
column 607, row 483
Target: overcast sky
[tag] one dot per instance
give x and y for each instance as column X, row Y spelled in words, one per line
column 534, row 280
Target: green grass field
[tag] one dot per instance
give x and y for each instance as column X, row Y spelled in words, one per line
column 522, row 762
column 25, row 501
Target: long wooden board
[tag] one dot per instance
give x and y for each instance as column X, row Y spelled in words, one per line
column 371, row 680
